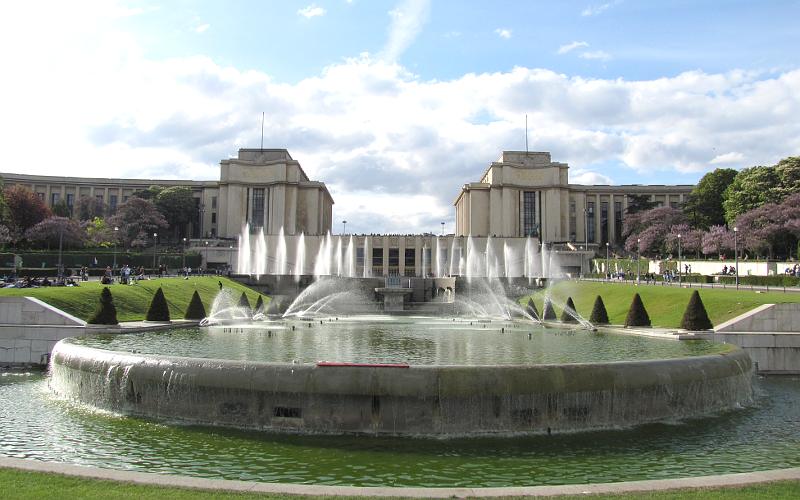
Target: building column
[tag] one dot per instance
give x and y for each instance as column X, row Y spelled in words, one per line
column 386, row 256
column 612, row 221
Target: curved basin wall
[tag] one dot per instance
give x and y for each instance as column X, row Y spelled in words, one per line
column 419, row 400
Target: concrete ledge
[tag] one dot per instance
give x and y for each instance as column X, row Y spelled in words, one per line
column 153, row 479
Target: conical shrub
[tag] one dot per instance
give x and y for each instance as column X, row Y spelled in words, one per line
column 531, row 308
column 695, row 317
column 260, row 305
column 195, row 310
column 549, row 312
column 106, row 313
column 159, row 310
column 569, row 310
column 599, row 314
column 244, row 303
column 637, row 314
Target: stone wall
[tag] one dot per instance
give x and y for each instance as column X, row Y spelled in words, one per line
column 29, row 328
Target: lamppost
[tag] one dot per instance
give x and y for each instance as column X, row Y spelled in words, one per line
column 736, row 253
column 679, row 260
column 442, row 228
column 344, row 227
column 114, row 265
column 206, row 258
column 60, row 246
column 155, row 246
column 638, row 257
column 183, row 255
column 608, row 263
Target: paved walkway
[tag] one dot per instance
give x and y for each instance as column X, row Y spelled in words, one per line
column 305, row 489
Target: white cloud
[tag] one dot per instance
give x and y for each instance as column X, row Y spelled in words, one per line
column 503, row 33
column 202, row 28
column 571, row 46
column 372, row 130
column 598, row 55
column 732, row 158
column 408, row 18
column 590, row 178
column 311, row 11
column 594, row 10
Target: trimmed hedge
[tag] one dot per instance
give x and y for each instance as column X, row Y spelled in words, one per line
column 775, row 280
column 566, row 317
column 106, row 312
column 549, row 313
column 159, row 310
column 259, row 305
column 244, row 302
column 637, row 314
column 696, row 316
column 599, row 314
column 195, row 310
column 531, row 309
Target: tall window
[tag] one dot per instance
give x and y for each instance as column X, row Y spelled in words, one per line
column 603, row 222
column 410, row 255
column 213, row 202
column 590, row 221
column 529, row 226
column 572, row 220
column 54, row 198
column 257, row 213
column 70, row 201
column 618, row 221
column 112, row 203
column 377, row 257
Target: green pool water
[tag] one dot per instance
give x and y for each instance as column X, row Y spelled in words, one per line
column 412, row 340
column 37, row 426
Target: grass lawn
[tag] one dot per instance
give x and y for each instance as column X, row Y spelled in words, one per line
column 664, row 304
column 17, row 484
column 132, row 301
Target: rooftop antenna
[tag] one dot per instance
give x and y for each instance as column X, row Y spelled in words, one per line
column 526, row 134
column 262, row 129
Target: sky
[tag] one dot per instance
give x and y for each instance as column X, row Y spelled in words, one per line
column 396, row 104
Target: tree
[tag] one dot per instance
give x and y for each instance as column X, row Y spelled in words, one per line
column 599, row 314
column 48, row 232
column 568, row 314
column 159, row 310
column 5, row 235
column 25, row 210
column 691, row 239
column 195, row 310
column 150, row 193
column 703, row 208
column 637, row 314
column 695, row 317
column 751, row 188
column 716, row 240
column 90, row 207
column 178, row 207
column 650, row 228
column 137, row 220
column 99, row 233
column 771, row 226
column 106, row 313
column 61, row 209
column 788, row 171
column 639, row 203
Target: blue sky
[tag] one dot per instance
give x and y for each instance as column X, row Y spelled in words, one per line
column 396, row 104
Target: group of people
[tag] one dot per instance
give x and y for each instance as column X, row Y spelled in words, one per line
column 28, row 282
column 793, row 271
column 728, row 270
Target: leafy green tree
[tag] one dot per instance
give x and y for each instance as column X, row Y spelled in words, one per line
column 751, row 188
column 703, row 208
column 159, row 310
column 61, row 209
column 639, row 203
column 178, row 207
column 788, row 171
column 106, row 313
column 25, row 210
column 150, row 193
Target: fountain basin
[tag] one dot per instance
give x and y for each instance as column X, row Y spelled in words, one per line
column 423, row 400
